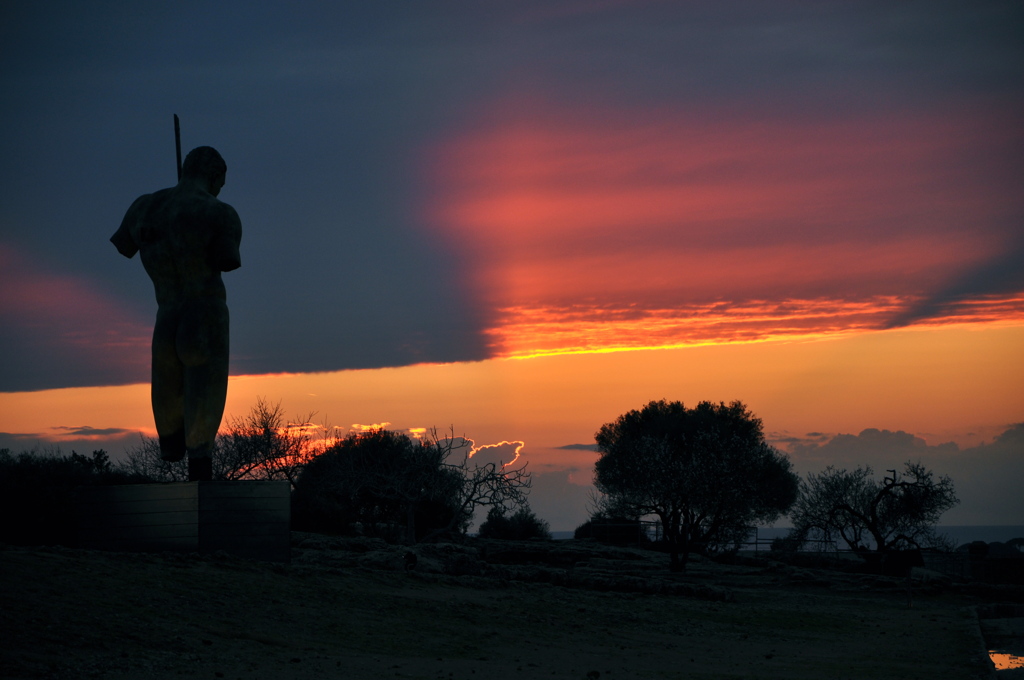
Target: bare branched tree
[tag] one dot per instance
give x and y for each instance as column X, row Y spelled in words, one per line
column 264, row 445
column 487, row 485
column 144, row 461
column 259, row 445
column 869, row 515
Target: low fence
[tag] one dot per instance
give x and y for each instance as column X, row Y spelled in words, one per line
column 756, row 543
column 959, row 565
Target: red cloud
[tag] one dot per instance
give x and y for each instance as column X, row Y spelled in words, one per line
column 667, row 212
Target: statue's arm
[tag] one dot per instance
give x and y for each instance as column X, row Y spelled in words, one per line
column 226, row 246
column 122, row 238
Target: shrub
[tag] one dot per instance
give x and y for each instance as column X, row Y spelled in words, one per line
column 520, row 526
column 612, row 530
column 384, row 481
column 37, row 493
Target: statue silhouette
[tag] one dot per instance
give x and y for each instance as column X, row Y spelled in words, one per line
column 186, row 238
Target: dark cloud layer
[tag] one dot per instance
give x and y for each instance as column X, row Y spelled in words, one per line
column 88, row 431
column 323, row 110
column 986, row 477
column 1000, row 275
column 64, row 440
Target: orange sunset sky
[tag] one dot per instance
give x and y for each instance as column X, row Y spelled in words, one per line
column 522, row 222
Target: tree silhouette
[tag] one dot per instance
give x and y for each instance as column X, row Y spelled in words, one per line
column 383, row 480
column 898, row 512
column 706, row 472
column 263, row 444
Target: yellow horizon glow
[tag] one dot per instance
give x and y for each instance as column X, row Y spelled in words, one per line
column 943, row 384
column 598, row 336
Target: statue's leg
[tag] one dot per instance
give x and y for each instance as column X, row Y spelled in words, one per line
column 200, row 465
column 203, row 348
column 205, row 392
column 168, row 388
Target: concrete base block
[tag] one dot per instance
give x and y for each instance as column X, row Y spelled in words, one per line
column 244, row 518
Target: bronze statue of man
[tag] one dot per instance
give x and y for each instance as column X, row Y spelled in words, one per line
column 187, row 237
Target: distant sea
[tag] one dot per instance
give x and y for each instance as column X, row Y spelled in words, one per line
column 959, row 534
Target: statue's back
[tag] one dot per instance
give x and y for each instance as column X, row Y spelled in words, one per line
column 186, row 239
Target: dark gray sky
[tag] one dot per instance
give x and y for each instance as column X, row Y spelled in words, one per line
column 329, row 114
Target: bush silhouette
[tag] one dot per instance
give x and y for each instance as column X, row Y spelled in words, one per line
column 520, row 526
column 37, row 493
column 380, row 483
column 385, row 484
column 612, row 530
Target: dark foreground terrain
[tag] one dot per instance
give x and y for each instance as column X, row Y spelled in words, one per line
column 350, row 609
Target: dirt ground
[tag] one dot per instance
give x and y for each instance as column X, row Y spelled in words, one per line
column 67, row 613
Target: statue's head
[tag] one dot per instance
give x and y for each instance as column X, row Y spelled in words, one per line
column 203, row 162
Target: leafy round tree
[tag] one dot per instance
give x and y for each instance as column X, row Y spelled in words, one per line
column 385, row 480
column 706, row 472
column 381, row 479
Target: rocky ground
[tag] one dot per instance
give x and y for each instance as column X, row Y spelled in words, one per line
column 352, row 608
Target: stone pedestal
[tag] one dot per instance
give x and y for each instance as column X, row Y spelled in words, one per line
column 244, row 518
